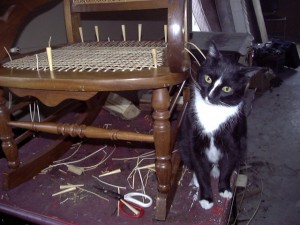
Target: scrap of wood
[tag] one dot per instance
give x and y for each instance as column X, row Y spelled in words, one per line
column 62, row 171
column 131, row 208
column 150, row 166
column 70, row 186
column 110, row 173
column 64, row 191
column 75, row 169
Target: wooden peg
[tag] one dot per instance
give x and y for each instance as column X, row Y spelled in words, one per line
column 150, row 166
column 49, row 55
column 110, row 173
column 135, row 211
column 140, row 32
column 81, row 34
column 37, row 62
column 154, row 57
column 65, row 191
column 97, row 33
column 67, row 186
column 123, row 32
column 75, row 169
column 166, row 32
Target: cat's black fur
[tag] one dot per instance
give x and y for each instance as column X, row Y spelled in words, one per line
column 228, row 145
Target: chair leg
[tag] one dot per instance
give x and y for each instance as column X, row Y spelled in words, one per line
column 9, row 146
column 162, row 142
column 168, row 165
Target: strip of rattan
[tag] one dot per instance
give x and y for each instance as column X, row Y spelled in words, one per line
column 96, row 56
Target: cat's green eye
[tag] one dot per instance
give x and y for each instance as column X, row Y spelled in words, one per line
column 227, row 89
column 208, row 79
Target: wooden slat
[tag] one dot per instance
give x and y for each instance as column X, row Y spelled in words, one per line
column 75, row 130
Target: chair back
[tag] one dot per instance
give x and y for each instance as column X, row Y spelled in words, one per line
column 177, row 57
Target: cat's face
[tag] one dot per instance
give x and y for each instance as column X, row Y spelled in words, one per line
column 222, row 81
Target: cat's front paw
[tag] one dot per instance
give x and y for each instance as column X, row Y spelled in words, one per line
column 206, row 204
column 226, row 194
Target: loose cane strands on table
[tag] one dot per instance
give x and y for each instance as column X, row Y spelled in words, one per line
column 97, row 56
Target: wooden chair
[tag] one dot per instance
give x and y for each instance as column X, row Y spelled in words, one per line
column 53, row 87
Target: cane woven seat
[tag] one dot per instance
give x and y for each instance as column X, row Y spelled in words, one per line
column 96, row 56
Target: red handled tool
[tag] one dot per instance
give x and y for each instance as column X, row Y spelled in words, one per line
column 136, row 208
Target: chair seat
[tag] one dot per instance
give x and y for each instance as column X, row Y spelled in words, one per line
column 96, row 56
column 94, row 66
column 83, row 86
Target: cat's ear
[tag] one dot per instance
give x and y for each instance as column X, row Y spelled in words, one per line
column 250, row 71
column 213, row 52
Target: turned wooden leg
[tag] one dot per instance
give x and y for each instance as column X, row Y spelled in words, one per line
column 162, row 141
column 6, row 135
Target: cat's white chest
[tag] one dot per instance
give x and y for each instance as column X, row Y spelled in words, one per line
column 210, row 117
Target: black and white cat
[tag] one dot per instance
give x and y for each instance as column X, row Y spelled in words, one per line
column 212, row 137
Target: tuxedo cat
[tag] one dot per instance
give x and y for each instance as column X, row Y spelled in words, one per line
column 212, row 137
